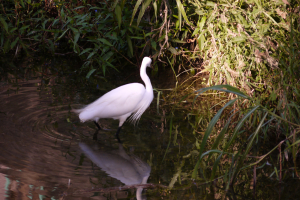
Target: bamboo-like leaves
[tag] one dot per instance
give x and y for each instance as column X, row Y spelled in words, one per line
column 90, row 73
column 181, row 11
column 86, row 50
column 6, row 46
column 173, row 50
column 62, row 34
column 179, row 15
column 51, row 46
column 4, row 24
column 201, row 41
column 129, row 45
column 118, row 13
column 202, row 22
column 142, row 11
column 104, row 41
column 155, row 8
column 2, row 37
column 138, row 3
column 14, row 43
column 76, row 37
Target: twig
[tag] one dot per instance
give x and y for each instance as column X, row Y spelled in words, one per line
column 124, row 56
column 161, row 29
column 126, row 187
column 280, row 162
column 49, row 26
column 62, row 54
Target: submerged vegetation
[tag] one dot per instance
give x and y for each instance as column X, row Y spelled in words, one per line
column 246, row 53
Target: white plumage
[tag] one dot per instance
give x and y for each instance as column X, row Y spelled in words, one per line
column 130, row 99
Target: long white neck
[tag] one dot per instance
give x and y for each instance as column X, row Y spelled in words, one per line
column 145, row 78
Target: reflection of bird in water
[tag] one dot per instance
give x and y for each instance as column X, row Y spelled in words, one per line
column 120, row 103
column 129, row 169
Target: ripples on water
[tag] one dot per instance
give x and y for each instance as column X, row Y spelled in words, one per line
column 40, row 157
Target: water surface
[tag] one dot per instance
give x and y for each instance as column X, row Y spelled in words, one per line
column 46, row 153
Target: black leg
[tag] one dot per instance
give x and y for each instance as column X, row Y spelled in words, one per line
column 117, row 134
column 99, row 128
column 95, row 136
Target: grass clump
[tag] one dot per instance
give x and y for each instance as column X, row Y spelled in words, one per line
column 246, row 48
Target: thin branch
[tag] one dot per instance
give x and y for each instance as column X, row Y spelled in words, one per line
column 125, row 187
column 124, row 56
column 62, row 54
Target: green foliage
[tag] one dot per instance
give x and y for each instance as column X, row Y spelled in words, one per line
column 258, row 119
column 100, row 34
column 247, row 48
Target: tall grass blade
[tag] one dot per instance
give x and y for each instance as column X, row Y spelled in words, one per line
column 239, row 126
column 223, row 88
column 249, row 146
column 170, row 136
column 221, row 135
column 215, row 166
column 62, row 34
column 208, row 132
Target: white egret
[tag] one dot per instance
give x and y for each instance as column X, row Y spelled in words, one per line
column 130, row 99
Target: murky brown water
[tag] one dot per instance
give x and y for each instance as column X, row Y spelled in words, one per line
column 46, row 153
column 41, row 157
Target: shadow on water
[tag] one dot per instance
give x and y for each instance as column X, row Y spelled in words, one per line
column 44, row 148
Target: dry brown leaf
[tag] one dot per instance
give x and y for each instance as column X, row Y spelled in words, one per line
column 224, row 18
column 258, row 56
column 231, row 71
column 281, row 13
column 286, row 2
column 240, row 29
column 231, row 33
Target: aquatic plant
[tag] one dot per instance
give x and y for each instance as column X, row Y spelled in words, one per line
column 251, row 45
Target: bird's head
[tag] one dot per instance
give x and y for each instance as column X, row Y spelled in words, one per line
column 147, row 61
